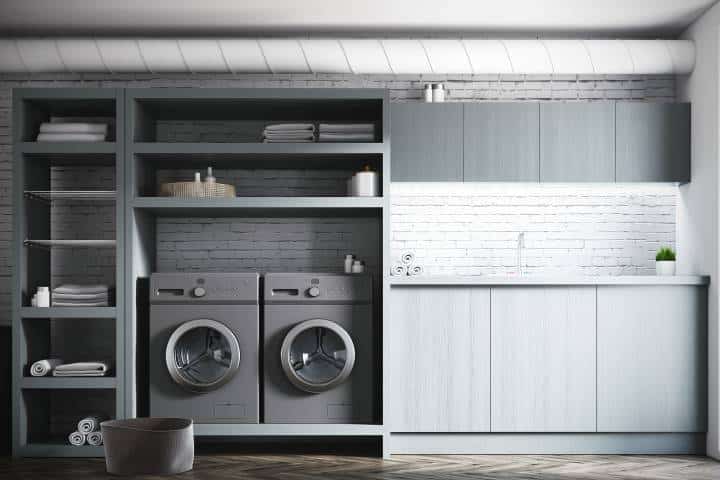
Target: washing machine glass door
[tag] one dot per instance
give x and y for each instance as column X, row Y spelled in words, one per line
column 202, row 355
column 317, row 355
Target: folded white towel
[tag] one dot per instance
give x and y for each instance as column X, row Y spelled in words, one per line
column 281, row 127
column 82, row 369
column 346, row 137
column 82, row 303
column 288, row 140
column 347, row 128
column 72, row 288
column 45, row 367
column 99, row 128
column 80, row 296
column 91, row 423
column 95, row 439
column 77, row 439
column 71, row 137
column 298, row 135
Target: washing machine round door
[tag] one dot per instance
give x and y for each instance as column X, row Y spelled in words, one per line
column 317, row 355
column 202, row 355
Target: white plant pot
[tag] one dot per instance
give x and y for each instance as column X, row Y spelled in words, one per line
column 665, row 267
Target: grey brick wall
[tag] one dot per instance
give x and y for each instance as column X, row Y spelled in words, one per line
column 401, row 88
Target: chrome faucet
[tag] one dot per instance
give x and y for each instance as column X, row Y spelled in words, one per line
column 520, row 246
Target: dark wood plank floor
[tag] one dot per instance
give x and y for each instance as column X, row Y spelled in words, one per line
column 401, row 467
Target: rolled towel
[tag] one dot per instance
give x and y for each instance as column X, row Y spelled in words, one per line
column 82, row 369
column 77, row 439
column 415, row 270
column 42, row 368
column 91, row 423
column 100, row 128
column 95, row 439
column 407, row 258
column 398, row 270
column 71, row 137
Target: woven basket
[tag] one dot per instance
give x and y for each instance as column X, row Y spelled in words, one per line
column 197, row 190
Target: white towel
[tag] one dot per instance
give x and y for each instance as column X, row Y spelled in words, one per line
column 289, row 135
column 346, row 137
column 95, row 439
column 415, row 270
column 91, row 423
column 77, row 439
column 42, row 368
column 83, row 303
column 283, row 127
column 71, row 137
column 98, row 128
column 398, row 270
column 82, row 369
column 80, row 296
column 347, row 128
column 289, row 140
column 72, row 288
column 407, row 258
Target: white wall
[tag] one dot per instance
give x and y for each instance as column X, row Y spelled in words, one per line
column 698, row 205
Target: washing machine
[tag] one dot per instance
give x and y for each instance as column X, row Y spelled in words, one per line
column 319, row 349
column 204, row 339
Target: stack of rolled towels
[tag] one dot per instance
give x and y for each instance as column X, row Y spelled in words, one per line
column 88, row 431
column 71, row 295
column 289, row 133
column 346, row 132
column 57, row 368
column 407, row 266
column 68, row 129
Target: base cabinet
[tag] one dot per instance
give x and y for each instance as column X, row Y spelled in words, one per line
column 652, row 360
column 543, row 359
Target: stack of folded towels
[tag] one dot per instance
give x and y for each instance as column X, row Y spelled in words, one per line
column 289, row 133
column 70, row 295
column 56, row 368
column 346, row 132
column 88, row 431
column 64, row 129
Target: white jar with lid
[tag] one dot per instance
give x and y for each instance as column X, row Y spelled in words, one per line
column 349, row 259
column 42, row 298
column 427, row 93
column 438, row 92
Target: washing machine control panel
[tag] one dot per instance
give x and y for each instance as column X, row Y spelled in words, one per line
column 317, row 288
column 203, row 287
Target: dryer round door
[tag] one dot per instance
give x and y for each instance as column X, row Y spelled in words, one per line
column 317, row 355
column 202, row 355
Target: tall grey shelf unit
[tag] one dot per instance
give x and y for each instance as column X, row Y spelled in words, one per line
column 146, row 152
column 38, row 400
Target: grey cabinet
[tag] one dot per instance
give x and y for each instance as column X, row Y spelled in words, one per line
column 440, row 359
column 651, row 359
column 427, row 142
column 543, row 359
column 653, row 142
column 577, row 142
column 501, row 142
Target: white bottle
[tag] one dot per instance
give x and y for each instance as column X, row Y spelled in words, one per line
column 43, row 297
column 209, row 178
column 358, row 267
column 349, row 259
column 428, row 93
column 438, row 92
column 197, row 177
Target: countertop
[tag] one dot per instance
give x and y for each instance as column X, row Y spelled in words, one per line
column 428, row 280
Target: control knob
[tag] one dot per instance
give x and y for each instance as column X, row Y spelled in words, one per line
column 313, row 292
column 198, row 292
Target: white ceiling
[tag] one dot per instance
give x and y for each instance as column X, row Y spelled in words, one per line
column 585, row 18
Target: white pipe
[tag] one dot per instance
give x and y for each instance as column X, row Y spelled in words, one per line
column 357, row 56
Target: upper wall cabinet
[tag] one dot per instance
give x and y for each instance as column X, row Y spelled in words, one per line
column 653, row 142
column 501, row 142
column 577, row 142
column 427, row 142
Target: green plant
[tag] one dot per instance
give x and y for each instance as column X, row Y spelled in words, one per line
column 665, row 254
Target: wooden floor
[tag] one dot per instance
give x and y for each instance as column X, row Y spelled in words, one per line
column 401, row 467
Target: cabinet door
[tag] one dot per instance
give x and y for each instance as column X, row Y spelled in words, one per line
column 426, row 143
column 440, row 359
column 577, row 142
column 652, row 359
column 653, row 142
column 502, row 142
column 543, row 359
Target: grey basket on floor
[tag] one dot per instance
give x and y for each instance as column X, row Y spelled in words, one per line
column 148, row 446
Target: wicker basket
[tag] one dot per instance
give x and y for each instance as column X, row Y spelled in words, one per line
column 197, row 190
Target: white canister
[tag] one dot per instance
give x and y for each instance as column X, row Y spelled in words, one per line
column 438, row 92
column 428, row 93
column 358, row 267
column 365, row 184
column 43, row 297
column 349, row 259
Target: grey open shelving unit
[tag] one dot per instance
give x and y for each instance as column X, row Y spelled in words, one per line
column 37, row 401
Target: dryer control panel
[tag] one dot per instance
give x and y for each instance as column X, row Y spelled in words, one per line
column 204, row 288
column 317, row 288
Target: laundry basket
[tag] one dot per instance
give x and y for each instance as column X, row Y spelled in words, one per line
column 148, row 446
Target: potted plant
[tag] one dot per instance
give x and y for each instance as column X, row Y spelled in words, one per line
column 665, row 261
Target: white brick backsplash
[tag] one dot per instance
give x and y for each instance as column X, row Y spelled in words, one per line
column 472, row 229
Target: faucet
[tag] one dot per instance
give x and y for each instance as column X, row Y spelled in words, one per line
column 520, row 246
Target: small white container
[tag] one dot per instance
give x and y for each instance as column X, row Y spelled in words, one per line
column 209, row 178
column 428, row 93
column 349, row 259
column 365, row 184
column 42, row 297
column 665, row 267
column 358, row 267
column 438, row 92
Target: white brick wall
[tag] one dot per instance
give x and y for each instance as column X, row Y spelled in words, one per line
column 472, row 229
column 401, row 88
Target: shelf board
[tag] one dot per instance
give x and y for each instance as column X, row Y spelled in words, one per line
column 68, row 382
column 71, row 243
column 75, row 195
column 68, row 312
column 242, row 205
column 66, row 147
column 258, row 148
column 59, row 450
column 271, row 429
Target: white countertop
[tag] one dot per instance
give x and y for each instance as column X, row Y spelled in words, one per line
column 428, row 280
